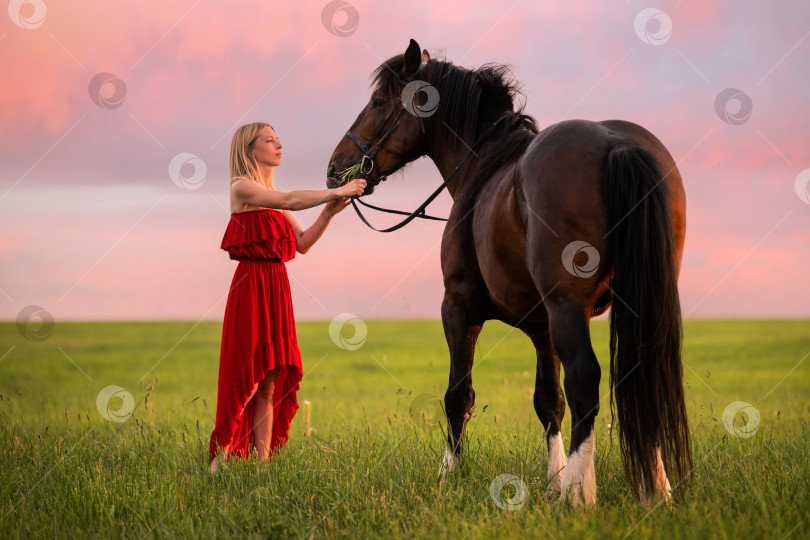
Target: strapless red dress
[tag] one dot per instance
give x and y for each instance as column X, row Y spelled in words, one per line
column 258, row 333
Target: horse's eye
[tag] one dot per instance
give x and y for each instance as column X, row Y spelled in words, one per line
column 376, row 103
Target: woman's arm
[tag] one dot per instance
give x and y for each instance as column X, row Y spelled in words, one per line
column 305, row 239
column 249, row 192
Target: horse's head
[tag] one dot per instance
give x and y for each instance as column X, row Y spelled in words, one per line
column 389, row 131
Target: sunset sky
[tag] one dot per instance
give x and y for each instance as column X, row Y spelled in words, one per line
column 99, row 97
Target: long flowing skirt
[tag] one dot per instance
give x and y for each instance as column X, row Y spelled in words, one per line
column 258, row 335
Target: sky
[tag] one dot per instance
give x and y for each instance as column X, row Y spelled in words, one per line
column 116, row 120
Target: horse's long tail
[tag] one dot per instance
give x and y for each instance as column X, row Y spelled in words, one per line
column 646, row 377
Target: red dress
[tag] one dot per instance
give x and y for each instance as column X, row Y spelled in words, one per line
column 258, row 332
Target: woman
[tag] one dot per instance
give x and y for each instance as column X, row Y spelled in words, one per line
column 260, row 364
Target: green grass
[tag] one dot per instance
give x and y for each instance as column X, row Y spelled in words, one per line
column 369, row 467
column 348, row 174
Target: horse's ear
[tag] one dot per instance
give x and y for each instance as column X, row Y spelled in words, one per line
column 413, row 59
column 425, row 56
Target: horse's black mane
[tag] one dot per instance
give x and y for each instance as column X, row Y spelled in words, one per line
column 469, row 102
column 469, row 99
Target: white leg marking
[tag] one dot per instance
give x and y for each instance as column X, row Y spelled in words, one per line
column 579, row 476
column 556, row 464
column 448, row 463
column 662, row 486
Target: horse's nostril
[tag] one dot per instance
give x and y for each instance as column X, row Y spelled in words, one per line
column 331, row 172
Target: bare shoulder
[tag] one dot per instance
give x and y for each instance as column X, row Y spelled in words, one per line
column 242, row 191
column 243, row 185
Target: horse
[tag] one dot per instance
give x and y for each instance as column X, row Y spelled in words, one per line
column 548, row 228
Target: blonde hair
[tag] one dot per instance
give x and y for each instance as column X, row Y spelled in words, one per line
column 243, row 164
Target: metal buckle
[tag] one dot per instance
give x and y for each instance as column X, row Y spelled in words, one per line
column 363, row 165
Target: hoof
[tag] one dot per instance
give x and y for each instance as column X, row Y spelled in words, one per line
column 579, row 477
column 448, row 464
column 556, row 466
column 662, row 487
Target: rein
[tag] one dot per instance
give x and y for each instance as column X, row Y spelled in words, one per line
column 368, row 159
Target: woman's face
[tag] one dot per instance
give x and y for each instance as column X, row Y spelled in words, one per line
column 267, row 148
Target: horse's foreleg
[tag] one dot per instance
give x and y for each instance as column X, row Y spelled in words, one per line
column 549, row 404
column 461, row 332
column 571, row 339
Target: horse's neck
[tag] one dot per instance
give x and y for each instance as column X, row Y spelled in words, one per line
column 447, row 162
column 464, row 155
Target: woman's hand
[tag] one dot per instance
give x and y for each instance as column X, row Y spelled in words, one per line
column 354, row 188
column 335, row 207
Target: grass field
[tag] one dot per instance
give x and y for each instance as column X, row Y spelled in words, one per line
column 368, row 468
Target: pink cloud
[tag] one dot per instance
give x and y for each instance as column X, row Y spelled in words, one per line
column 194, row 70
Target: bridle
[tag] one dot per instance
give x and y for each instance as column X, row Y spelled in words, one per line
column 367, row 164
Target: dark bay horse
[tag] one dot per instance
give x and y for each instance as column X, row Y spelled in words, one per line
column 548, row 229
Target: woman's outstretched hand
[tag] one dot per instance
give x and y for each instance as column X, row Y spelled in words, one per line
column 335, row 207
column 354, row 188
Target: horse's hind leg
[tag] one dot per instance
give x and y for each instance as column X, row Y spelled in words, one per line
column 461, row 332
column 571, row 339
column 549, row 404
column 662, row 486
